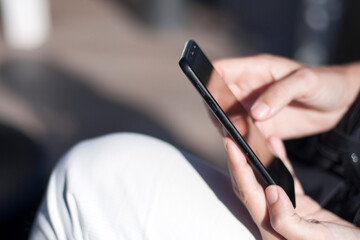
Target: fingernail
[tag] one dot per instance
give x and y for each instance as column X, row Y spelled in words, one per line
column 271, row 194
column 260, row 110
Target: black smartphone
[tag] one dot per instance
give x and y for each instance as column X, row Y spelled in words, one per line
column 201, row 73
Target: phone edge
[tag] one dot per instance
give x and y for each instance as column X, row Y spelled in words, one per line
column 223, row 119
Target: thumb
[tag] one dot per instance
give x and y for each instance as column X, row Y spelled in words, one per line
column 282, row 92
column 283, row 217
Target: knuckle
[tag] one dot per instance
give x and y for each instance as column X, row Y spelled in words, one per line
column 307, row 75
column 277, row 222
column 237, row 190
column 239, row 166
column 277, row 92
column 238, row 193
column 245, row 200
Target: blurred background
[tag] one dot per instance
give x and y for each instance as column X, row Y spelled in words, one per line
column 76, row 69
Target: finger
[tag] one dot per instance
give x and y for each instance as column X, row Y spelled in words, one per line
column 278, row 147
column 241, row 124
column 245, row 184
column 244, row 75
column 298, row 85
column 259, row 66
column 239, row 121
column 284, row 219
column 225, row 98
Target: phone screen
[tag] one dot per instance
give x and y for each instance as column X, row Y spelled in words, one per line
column 206, row 79
column 212, row 80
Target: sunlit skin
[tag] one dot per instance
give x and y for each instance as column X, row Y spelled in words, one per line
column 285, row 99
column 288, row 99
column 238, row 116
column 272, row 210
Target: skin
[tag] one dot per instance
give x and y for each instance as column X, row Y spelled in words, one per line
column 285, row 99
column 288, row 99
column 272, row 211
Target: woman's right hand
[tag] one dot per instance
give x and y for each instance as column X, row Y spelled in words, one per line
column 288, row 99
column 272, row 210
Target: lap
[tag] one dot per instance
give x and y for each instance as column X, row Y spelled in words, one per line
column 130, row 186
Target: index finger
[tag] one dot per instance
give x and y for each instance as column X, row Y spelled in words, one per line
column 244, row 75
column 245, row 185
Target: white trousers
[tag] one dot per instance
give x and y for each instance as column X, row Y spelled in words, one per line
column 130, row 186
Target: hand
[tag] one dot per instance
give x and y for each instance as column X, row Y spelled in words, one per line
column 288, row 99
column 272, row 210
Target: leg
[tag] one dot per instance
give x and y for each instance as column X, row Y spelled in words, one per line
column 129, row 186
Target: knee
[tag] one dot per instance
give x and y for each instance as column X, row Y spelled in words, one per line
column 97, row 175
column 114, row 157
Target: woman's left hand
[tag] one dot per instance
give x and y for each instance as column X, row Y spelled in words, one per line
column 272, row 210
